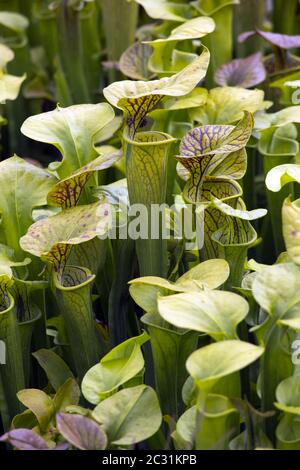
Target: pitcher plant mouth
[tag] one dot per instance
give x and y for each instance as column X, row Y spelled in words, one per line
column 155, row 138
column 7, row 302
column 66, row 282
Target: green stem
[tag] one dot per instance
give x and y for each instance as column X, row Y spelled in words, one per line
column 16, row 110
column 119, row 22
column 48, row 33
column 119, row 296
column 9, row 5
column 91, row 47
column 40, row 335
column 70, row 51
column 248, row 15
column 220, row 41
column 63, row 93
column 284, row 16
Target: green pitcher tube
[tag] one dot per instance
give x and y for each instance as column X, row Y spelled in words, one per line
column 218, row 424
column 146, row 168
column 209, row 426
column 170, row 348
column 73, row 294
column 29, row 317
column 288, row 433
column 26, row 329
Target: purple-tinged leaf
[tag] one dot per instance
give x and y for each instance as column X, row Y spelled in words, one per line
column 214, row 156
column 244, row 73
column 66, row 193
column 217, row 139
column 62, row 446
column 203, row 140
column 289, row 62
column 138, row 98
column 134, row 61
column 24, row 439
column 52, row 238
column 284, row 41
column 81, row 432
column 246, row 35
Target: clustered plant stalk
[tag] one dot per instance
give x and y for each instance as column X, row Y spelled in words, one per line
column 112, row 334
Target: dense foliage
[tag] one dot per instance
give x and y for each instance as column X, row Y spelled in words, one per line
column 112, row 335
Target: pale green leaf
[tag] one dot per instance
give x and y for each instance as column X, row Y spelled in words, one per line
column 6, row 55
column 197, row 97
column 226, row 105
column 145, row 290
column 177, row 85
column 116, row 368
column 210, row 363
column 165, row 10
column 68, row 394
column 14, row 21
column 23, row 187
column 210, row 274
column 130, row 416
column 73, row 130
column 277, row 289
column 216, row 313
column 285, row 116
column 239, row 213
column 40, row 404
column 288, row 395
column 291, row 228
column 10, row 86
column 191, row 29
column 51, row 238
column 282, row 175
